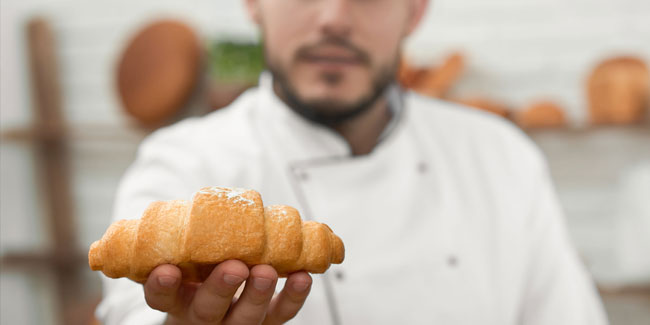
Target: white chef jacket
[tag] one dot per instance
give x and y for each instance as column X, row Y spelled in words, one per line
column 451, row 219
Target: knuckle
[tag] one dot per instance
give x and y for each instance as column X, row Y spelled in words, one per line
column 279, row 318
column 158, row 302
column 219, row 292
column 246, row 318
column 206, row 316
column 257, row 300
column 297, row 298
column 285, row 318
column 257, row 297
column 215, row 286
column 288, row 311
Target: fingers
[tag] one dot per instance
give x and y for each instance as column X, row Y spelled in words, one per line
column 161, row 288
column 213, row 298
column 254, row 301
column 287, row 304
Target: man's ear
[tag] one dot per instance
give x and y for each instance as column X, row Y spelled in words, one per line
column 417, row 10
column 253, row 9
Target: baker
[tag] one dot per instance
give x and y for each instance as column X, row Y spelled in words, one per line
column 448, row 214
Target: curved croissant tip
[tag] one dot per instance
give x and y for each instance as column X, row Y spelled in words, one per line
column 338, row 250
column 94, row 257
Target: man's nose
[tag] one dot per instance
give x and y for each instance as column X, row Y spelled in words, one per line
column 336, row 19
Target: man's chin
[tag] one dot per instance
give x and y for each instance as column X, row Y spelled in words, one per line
column 345, row 91
column 329, row 102
column 344, row 85
column 330, row 111
column 334, row 99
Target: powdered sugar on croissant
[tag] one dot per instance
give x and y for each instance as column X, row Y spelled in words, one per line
column 217, row 225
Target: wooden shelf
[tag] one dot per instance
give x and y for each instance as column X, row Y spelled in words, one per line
column 632, row 290
column 48, row 260
column 88, row 132
column 628, row 129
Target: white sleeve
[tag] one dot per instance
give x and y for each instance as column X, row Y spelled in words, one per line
column 164, row 169
column 559, row 290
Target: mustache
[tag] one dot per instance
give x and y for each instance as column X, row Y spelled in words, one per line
column 307, row 50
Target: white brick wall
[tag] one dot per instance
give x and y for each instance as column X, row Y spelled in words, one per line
column 520, row 50
column 517, row 50
column 90, row 36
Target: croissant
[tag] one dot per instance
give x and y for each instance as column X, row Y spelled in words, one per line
column 217, row 225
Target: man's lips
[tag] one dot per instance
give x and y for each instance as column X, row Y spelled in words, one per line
column 331, row 60
column 332, row 56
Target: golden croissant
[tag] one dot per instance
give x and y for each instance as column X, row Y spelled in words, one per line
column 217, row 225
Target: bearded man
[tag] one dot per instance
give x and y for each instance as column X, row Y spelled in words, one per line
column 448, row 214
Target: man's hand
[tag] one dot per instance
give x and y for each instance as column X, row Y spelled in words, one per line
column 211, row 302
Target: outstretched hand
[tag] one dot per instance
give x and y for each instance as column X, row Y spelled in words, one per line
column 211, row 302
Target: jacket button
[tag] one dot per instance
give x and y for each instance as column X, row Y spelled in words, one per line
column 452, row 261
column 339, row 275
column 300, row 174
column 422, row 167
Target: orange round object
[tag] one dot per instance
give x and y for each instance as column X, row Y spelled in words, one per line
column 618, row 91
column 485, row 104
column 158, row 71
column 437, row 82
column 410, row 76
column 543, row 114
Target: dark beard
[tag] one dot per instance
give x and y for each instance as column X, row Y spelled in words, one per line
column 328, row 112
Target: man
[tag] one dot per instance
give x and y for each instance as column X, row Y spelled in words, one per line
column 447, row 214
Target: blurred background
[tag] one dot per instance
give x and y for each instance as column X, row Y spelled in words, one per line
column 83, row 82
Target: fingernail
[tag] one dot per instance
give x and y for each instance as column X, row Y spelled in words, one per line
column 300, row 286
column 262, row 283
column 232, row 279
column 167, row 281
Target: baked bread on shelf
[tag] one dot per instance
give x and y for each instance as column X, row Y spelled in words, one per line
column 218, row 224
column 618, row 91
column 541, row 114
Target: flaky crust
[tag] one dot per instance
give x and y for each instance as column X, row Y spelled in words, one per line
column 217, row 225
